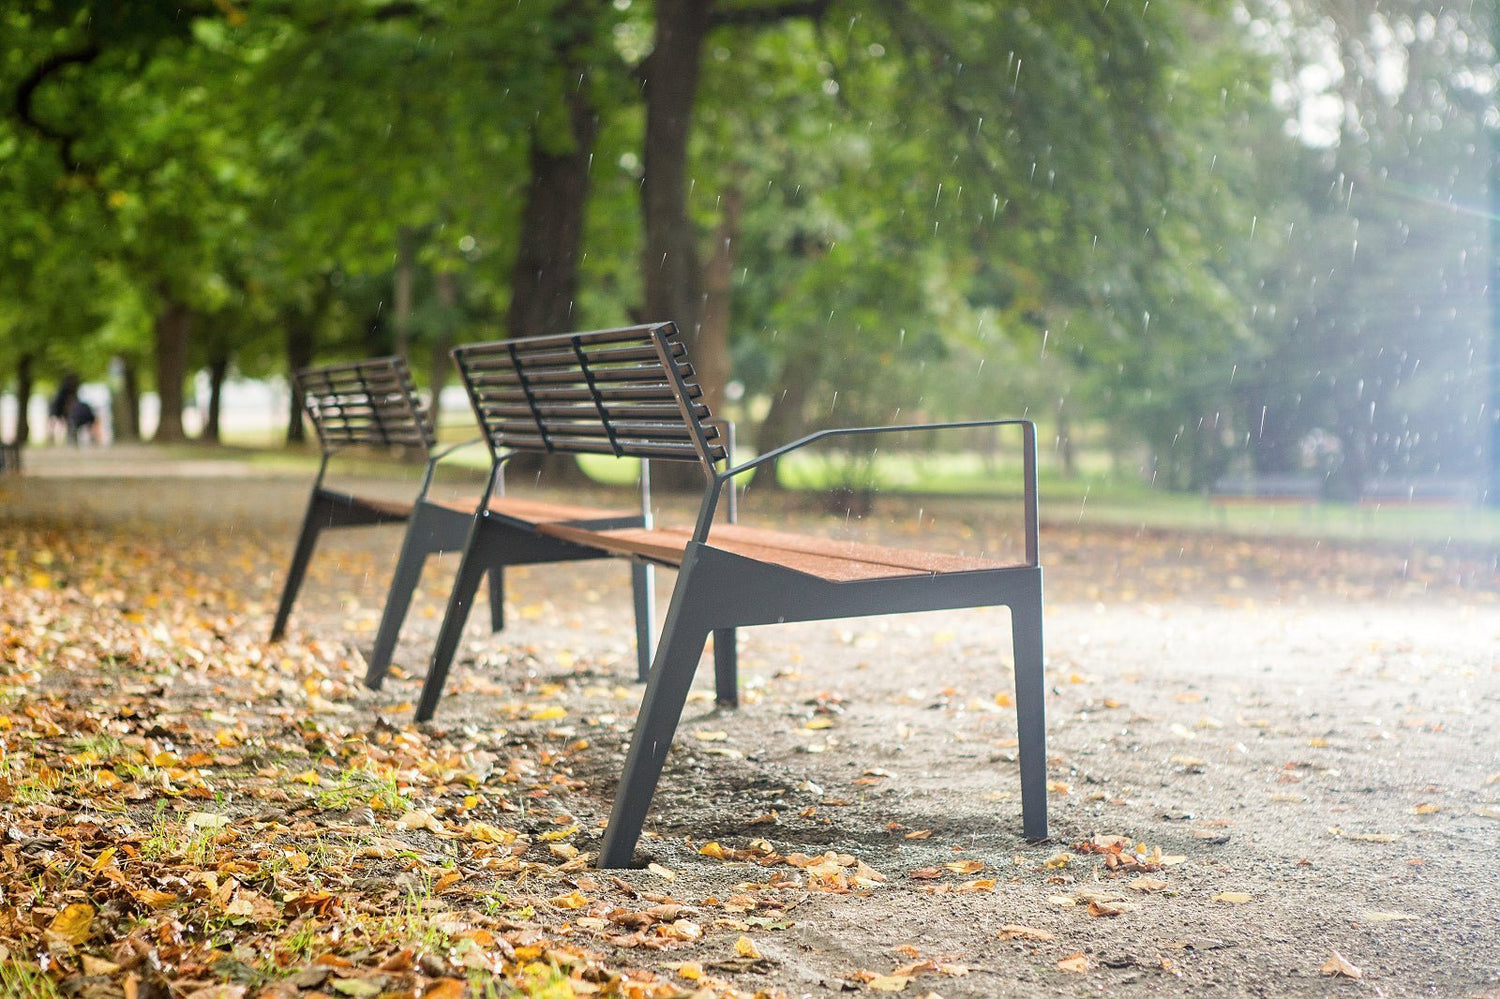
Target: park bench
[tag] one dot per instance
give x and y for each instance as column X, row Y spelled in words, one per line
column 630, row 393
column 1270, row 488
column 373, row 404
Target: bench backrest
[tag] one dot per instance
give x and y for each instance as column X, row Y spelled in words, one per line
column 626, row 392
column 372, row 402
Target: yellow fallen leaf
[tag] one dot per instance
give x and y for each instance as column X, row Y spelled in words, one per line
column 1234, row 897
column 1075, row 963
column 889, row 983
column 574, row 899
column 691, row 970
column 1485, row 812
column 1377, row 916
column 551, row 712
column 1318, row 743
column 1426, row 808
column 98, row 966
column 1058, row 787
column 102, row 861
column 73, row 923
column 745, row 947
column 1058, row 860
column 308, row 777
column 1339, row 966
column 965, row 866
column 153, row 899
column 978, row 884
column 661, row 872
column 817, row 723
column 715, row 736
column 1016, row 931
column 557, row 834
column 207, row 820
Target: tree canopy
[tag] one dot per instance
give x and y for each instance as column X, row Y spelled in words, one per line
column 1230, row 235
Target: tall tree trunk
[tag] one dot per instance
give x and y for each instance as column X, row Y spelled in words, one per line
column 127, row 410
column 670, row 264
column 712, row 358
column 446, row 287
column 218, row 370
column 405, row 275
column 25, row 384
column 302, row 327
column 174, row 325
column 544, row 280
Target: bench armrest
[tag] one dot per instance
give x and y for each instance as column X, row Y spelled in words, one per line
column 435, row 458
column 1028, row 458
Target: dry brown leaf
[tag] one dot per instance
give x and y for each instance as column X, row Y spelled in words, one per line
column 745, row 947
column 1234, row 897
column 1075, row 963
column 1016, row 931
column 445, row 988
column 888, row 983
column 1339, row 966
column 1143, row 883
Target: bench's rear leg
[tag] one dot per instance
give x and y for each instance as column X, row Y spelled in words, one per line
column 414, row 552
column 683, row 637
column 642, row 587
column 1031, row 716
column 475, row 563
column 497, row 597
column 312, row 524
column 726, row 668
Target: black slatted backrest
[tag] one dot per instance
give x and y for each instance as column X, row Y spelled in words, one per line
column 627, row 392
column 370, row 402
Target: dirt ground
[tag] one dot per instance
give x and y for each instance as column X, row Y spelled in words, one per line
column 1296, row 742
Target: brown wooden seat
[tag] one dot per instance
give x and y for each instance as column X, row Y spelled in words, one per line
column 630, row 393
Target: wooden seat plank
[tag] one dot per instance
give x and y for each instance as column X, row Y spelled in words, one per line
column 533, row 511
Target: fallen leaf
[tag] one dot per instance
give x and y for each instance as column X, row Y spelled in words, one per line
column 1339, row 966
column 1075, row 963
column 889, row 983
column 745, row 947
column 73, row 923
column 1143, row 883
column 1015, row 931
column 1378, row 916
column 207, row 820
column 1234, row 897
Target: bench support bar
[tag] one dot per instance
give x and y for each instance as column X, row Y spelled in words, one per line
column 493, row 542
column 325, row 509
column 434, row 529
column 718, row 591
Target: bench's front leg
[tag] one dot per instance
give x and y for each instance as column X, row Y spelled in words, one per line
column 478, row 555
column 1031, row 711
column 726, row 668
column 683, row 637
column 307, row 540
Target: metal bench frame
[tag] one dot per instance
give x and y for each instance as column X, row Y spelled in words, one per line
column 530, row 394
column 372, row 405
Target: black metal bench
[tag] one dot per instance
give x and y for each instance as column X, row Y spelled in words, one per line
column 629, row 393
column 371, row 405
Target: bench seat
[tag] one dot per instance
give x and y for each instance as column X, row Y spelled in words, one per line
column 826, row 558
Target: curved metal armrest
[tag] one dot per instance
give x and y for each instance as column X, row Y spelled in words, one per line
column 1028, row 458
column 434, row 458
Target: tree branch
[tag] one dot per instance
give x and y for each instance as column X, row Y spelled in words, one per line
column 27, row 89
column 769, row 13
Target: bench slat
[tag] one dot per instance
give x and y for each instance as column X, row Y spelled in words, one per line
column 837, row 561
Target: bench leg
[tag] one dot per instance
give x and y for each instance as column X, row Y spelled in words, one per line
column 497, row 597
column 476, row 561
column 301, row 555
column 1031, row 717
column 642, row 586
column 397, row 601
column 726, row 668
column 683, row 637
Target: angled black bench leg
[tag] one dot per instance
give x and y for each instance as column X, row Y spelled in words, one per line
column 642, row 586
column 317, row 515
column 403, row 584
column 497, row 597
column 1031, row 712
column 689, row 620
column 726, row 668
column 479, row 553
